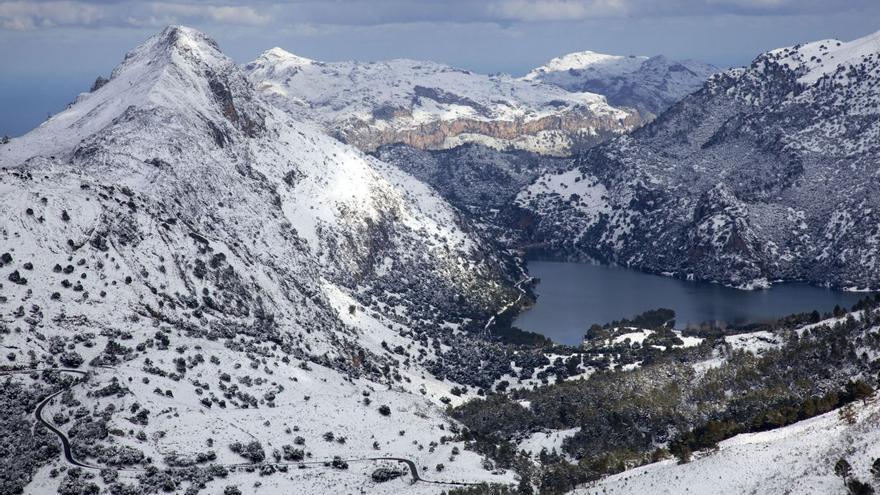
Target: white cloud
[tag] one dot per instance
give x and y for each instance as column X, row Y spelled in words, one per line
column 557, row 10
column 26, row 15
column 227, row 14
column 29, row 15
column 35, row 14
column 574, row 10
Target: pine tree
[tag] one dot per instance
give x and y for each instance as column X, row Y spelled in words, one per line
column 842, row 469
column 683, row 454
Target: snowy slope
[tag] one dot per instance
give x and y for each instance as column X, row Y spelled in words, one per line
column 798, row 458
column 823, row 58
column 648, row 84
column 172, row 226
column 429, row 105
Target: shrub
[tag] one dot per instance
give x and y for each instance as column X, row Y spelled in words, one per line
column 338, row 463
column 71, row 359
column 253, row 451
column 292, row 454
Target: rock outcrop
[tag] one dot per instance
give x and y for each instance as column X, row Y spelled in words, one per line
column 432, row 106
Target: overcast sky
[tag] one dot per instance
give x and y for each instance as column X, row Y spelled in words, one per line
column 52, row 50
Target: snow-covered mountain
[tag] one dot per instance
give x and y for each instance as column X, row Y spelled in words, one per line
column 227, row 274
column 764, row 174
column 433, row 106
column 648, row 84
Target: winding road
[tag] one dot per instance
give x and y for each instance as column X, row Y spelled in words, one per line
column 65, row 443
column 70, row 459
column 38, row 412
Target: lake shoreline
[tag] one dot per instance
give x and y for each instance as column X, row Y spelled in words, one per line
column 571, row 296
column 761, row 283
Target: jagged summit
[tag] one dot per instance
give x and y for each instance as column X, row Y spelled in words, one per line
column 648, row 84
column 179, row 47
column 179, row 40
column 177, row 76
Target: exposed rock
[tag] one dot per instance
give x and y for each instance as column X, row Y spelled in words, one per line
column 432, row 106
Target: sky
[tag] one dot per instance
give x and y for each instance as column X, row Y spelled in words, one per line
column 52, row 50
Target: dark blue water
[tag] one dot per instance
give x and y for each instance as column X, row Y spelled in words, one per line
column 573, row 296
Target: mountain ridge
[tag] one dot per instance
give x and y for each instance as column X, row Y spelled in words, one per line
column 744, row 181
column 431, row 105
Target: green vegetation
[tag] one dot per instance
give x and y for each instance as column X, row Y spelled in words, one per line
column 504, row 331
column 651, row 320
column 622, row 416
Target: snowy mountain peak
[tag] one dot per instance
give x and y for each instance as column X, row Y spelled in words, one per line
column 176, row 45
column 280, row 56
column 179, row 71
column 587, row 60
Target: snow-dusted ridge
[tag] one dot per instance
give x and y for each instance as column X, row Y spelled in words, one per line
column 162, row 73
column 431, row 105
column 588, row 60
column 822, row 58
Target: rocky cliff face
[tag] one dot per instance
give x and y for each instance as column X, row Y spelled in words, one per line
column 551, row 135
column 431, row 106
column 759, row 176
column 647, row 84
